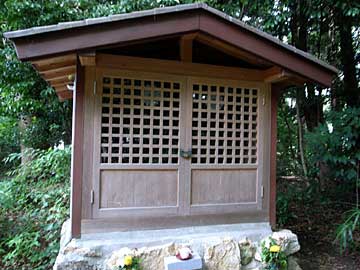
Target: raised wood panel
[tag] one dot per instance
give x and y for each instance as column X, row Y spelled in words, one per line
column 223, row 186
column 134, row 188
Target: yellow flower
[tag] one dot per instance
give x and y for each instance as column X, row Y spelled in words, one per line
column 275, row 248
column 128, row 260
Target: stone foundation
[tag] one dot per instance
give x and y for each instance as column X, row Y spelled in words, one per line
column 222, row 247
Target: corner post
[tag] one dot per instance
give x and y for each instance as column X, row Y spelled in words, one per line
column 274, row 103
column 77, row 152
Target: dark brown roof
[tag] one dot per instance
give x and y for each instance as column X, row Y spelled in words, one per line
column 61, row 42
column 156, row 12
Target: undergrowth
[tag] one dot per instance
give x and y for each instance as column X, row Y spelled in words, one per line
column 34, row 202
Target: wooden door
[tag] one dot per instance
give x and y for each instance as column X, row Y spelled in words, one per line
column 174, row 145
column 226, row 164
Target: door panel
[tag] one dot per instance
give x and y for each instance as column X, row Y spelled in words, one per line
column 223, row 186
column 138, row 142
column 135, row 188
column 225, row 143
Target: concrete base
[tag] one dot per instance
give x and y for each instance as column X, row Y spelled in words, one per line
column 147, row 238
column 230, row 247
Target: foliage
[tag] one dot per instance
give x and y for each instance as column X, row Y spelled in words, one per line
column 336, row 144
column 284, row 212
column 272, row 255
column 130, row 263
column 345, row 231
column 33, row 206
column 287, row 147
column 9, row 142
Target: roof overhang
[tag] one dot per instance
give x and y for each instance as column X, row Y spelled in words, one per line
column 64, row 41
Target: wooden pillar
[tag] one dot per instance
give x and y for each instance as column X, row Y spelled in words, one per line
column 77, row 152
column 186, row 44
column 273, row 140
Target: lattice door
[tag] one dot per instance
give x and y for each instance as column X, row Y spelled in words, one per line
column 140, row 121
column 224, row 124
column 175, row 145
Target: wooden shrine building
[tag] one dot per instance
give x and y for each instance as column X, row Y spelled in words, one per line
column 174, row 118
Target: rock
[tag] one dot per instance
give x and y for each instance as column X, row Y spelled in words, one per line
column 65, row 235
column 293, row 264
column 247, row 251
column 253, row 265
column 153, row 257
column 287, row 240
column 117, row 256
column 81, row 251
column 223, row 255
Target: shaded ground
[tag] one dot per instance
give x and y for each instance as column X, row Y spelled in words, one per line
column 315, row 224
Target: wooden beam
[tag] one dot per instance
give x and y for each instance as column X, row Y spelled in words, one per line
column 54, row 66
column 186, row 45
column 177, row 67
column 276, row 74
column 61, row 77
column 58, row 85
column 54, row 73
column 61, row 80
column 62, row 88
column 87, row 59
column 231, row 50
column 55, row 60
column 65, row 95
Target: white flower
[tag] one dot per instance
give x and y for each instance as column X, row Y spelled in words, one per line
column 267, row 242
column 120, row 262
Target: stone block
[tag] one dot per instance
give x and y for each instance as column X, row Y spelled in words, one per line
column 173, row 263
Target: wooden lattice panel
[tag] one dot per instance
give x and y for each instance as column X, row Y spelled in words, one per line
column 224, row 124
column 140, row 121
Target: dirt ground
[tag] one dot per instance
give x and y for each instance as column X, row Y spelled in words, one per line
column 316, row 231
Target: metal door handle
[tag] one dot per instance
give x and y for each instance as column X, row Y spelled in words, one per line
column 185, row 154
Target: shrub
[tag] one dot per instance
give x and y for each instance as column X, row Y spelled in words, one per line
column 345, row 231
column 9, row 142
column 272, row 255
column 337, row 145
column 34, row 203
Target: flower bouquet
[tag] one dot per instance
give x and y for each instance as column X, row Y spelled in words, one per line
column 129, row 263
column 272, row 255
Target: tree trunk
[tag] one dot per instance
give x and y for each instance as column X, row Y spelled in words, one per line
column 300, row 136
column 348, row 62
column 25, row 155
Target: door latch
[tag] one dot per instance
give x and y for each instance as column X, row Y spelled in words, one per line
column 185, row 154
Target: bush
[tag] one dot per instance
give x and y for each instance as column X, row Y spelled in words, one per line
column 34, row 203
column 337, row 146
column 346, row 231
column 9, row 142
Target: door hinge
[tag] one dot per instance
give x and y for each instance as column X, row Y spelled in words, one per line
column 262, row 191
column 94, row 88
column 92, row 197
column 264, row 100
